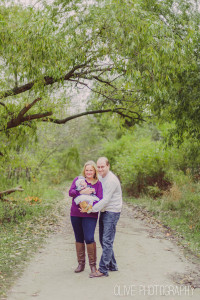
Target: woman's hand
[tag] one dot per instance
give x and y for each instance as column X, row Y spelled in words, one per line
column 87, row 191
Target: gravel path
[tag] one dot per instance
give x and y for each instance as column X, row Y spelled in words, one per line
column 151, row 266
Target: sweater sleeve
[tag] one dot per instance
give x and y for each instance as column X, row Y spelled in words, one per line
column 73, row 191
column 99, row 192
column 106, row 197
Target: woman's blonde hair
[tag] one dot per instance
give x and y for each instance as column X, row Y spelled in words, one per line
column 91, row 163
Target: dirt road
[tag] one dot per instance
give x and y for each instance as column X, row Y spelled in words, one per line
column 150, row 265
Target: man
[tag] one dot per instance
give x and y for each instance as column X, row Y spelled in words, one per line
column 110, row 207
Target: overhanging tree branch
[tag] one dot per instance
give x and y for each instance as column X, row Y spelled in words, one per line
column 47, row 81
column 99, row 111
column 20, row 119
column 16, row 121
column 44, row 116
column 50, row 80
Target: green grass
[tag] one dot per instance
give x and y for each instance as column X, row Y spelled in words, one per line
column 26, row 225
column 180, row 210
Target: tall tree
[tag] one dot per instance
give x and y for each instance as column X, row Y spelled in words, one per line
column 138, row 59
column 42, row 55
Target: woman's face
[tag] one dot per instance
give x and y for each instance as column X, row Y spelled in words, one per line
column 89, row 172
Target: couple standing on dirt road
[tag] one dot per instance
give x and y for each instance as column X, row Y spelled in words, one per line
column 109, row 193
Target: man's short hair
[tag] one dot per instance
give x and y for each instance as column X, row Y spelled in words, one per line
column 105, row 159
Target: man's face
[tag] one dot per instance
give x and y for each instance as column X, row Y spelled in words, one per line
column 102, row 168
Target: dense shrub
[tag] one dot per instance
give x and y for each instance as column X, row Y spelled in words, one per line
column 145, row 165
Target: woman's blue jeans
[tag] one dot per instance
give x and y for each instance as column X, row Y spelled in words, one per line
column 84, row 229
column 107, row 228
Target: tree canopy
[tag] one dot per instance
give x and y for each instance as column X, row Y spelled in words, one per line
column 139, row 60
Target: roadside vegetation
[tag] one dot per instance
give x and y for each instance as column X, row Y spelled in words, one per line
column 26, row 218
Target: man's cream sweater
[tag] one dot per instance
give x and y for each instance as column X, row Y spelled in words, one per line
column 112, row 194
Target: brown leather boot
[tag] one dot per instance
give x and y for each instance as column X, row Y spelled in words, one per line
column 80, row 250
column 92, row 257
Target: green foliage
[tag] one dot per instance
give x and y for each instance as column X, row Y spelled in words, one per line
column 137, row 161
column 145, row 165
column 154, row 191
column 65, row 165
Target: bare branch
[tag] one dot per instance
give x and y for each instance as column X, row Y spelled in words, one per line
column 117, row 110
column 91, row 89
column 103, row 94
column 63, row 121
column 37, row 116
column 26, row 108
column 17, row 90
column 104, row 81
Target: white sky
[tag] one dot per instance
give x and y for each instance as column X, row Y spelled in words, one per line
column 34, row 3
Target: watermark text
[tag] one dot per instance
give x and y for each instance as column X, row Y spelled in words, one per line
column 152, row 290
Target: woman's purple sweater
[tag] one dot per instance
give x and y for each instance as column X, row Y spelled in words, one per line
column 75, row 212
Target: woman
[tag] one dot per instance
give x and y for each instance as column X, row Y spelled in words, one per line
column 84, row 224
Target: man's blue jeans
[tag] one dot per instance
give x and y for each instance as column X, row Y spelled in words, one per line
column 107, row 228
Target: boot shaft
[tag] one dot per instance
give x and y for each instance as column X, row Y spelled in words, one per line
column 80, row 251
column 92, row 256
